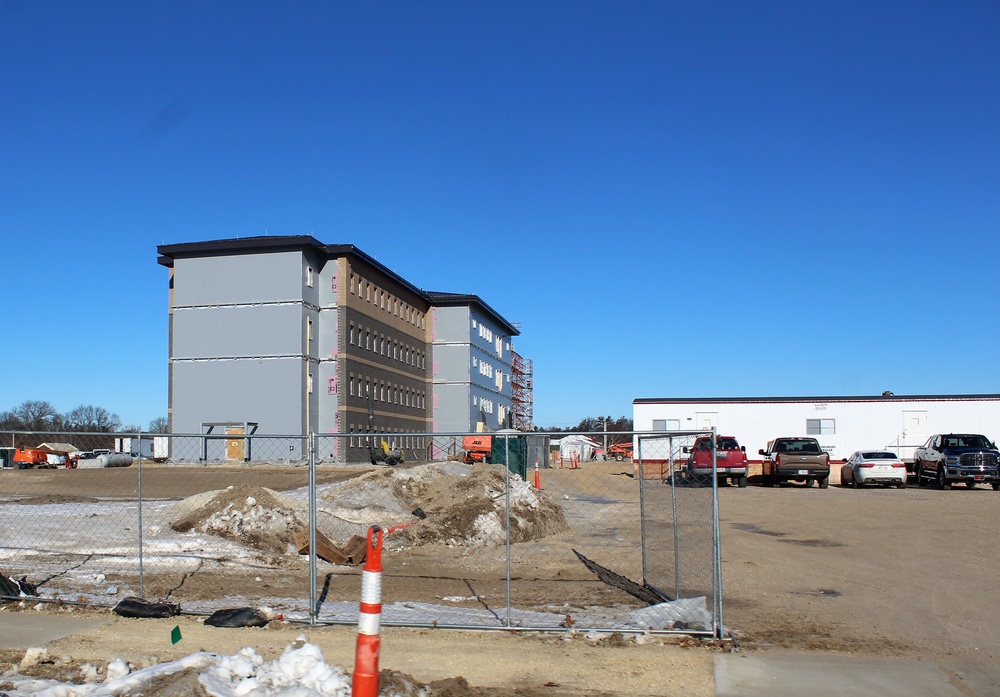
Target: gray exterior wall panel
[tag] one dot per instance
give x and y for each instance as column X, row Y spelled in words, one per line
column 234, row 331
column 451, row 324
column 451, row 412
column 243, row 278
column 267, row 391
column 452, row 363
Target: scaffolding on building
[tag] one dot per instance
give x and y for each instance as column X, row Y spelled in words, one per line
column 523, row 381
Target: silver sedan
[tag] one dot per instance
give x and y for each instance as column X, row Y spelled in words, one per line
column 873, row 467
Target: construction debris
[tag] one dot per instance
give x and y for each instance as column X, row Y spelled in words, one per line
column 643, row 592
column 139, row 607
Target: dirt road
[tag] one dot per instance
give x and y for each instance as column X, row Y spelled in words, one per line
column 878, row 571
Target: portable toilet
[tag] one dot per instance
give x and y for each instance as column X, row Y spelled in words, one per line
column 510, row 448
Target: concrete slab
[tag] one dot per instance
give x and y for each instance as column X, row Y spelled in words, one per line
column 834, row 675
column 22, row 630
column 979, row 679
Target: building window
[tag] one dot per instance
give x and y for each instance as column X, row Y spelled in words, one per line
column 309, row 328
column 350, row 384
column 309, row 383
column 659, row 424
column 309, row 276
column 352, row 334
column 821, row 427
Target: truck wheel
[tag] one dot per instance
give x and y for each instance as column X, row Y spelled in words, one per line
column 902, row 484
column 741, row 482
column 619, row 457
column 970, row 484
column 919, row 469
column 942, row 478
column 824, row 482
column 996, row 486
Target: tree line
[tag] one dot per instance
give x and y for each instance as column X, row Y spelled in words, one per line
column 618, row 429
column 37, row 415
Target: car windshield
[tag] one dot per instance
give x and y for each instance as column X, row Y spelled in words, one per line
column 798, row 446
column 874, row 455
column 728, row 444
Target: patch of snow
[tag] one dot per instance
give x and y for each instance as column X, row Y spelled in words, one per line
column 299, row 672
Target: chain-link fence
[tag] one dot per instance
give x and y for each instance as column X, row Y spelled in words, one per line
column 508, row 530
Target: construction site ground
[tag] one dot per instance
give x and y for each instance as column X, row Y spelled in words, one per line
column 872, row 573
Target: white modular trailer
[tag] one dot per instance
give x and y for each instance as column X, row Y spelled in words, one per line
column 148, row 447
column 898, row 423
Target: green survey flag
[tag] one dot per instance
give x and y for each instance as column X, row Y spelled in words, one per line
column 175, row 635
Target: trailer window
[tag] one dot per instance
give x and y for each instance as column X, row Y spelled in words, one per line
column 821, row 427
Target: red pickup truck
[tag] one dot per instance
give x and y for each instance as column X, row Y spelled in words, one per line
column 730, row 460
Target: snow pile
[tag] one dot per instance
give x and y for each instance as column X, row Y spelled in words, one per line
column 251, row 515
column 299, row 672
column 465, row 505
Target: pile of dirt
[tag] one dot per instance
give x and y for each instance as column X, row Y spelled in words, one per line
column 250, row 515
column 466, row 506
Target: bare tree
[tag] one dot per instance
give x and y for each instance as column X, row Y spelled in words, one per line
column 36, row 415
column 10, row 422
column 91, row 419
column 159, row 425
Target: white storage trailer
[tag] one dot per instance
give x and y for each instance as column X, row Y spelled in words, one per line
column 841, row 424
column 155, row 448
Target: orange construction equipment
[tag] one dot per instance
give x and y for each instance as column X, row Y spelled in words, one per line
column 621, row 451
column 26, row 458
column 478, row 448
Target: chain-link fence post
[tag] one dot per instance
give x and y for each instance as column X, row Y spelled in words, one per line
column 716, row 545
column 142, row 575
column 506, row 461
column 311, row 445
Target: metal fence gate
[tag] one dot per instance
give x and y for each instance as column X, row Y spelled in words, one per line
column 520, row 532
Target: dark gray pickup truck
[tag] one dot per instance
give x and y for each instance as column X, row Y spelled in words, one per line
column 957, row 457
column 795, row 460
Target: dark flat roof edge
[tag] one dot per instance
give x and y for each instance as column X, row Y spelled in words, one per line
column 275, row 243
column 821, row 399
column 440, row 299
column 168, row 252
column 269, row 242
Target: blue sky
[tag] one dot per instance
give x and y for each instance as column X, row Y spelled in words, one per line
column 673, row 199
